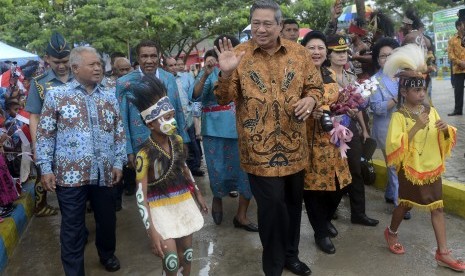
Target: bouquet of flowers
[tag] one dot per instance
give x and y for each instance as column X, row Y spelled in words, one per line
column 351, row 97
column 354, row 97
column 367, row 87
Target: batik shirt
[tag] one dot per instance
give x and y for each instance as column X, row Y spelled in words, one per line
column 136, row 130
column 456, row 54
column 264, row 87
column 80, row 137
column 325, row 162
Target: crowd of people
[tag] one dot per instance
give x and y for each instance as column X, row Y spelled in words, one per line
column 275, row 119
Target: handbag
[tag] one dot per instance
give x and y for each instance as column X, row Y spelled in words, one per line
column 368, row 171
column 366, row 163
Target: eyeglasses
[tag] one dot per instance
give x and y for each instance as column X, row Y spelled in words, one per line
column 266, row 24
column 384, row 56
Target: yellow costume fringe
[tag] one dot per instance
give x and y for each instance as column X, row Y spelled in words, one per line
column 430, row 207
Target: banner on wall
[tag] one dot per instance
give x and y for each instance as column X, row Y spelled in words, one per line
column 444, row 29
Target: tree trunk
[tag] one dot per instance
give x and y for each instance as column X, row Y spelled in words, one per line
column 360, row 4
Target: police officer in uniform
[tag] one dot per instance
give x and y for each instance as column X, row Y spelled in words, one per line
column 57, row 56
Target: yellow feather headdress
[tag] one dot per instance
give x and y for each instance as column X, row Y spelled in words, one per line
column 409, row 64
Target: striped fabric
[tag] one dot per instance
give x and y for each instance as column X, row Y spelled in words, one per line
column 12, row 227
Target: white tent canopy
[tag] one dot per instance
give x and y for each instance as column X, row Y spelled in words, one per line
column 8, row 52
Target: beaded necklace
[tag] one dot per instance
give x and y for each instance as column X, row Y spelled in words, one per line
column 166, row 174
column 160, row 148
column 417, row 113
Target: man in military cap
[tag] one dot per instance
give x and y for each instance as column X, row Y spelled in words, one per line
column 57, row 56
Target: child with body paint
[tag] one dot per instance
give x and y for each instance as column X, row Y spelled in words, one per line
column 417, row 143
column 166, row 191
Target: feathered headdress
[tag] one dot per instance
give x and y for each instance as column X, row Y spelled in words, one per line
column 408, row 64
column 149, row 97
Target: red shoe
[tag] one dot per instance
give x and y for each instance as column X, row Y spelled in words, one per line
column 454, row 265
column 396, row 248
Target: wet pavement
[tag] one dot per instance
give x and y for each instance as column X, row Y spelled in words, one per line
column 224, row 250
column 443, row 99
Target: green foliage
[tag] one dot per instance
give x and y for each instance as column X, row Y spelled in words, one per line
column 310, row 13
column 178, row 25
column 116, row 25
column 424, row 8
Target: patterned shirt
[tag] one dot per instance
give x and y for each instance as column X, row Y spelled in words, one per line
column 185, row 83
column 456, row 54
column 80, row 137
column 325, row 162
column 272, row 141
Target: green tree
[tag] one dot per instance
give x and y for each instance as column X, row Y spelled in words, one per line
column 424, row 8
column 312, row 13
column 117, row 25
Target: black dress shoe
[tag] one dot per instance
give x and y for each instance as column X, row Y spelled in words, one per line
column 298, row 268
column 233, row 193
column 325, row 245
column 332, row 230
column 111, row 265
column 364, row 220
column 251, row 227
column 454, row 113
column 217, row 217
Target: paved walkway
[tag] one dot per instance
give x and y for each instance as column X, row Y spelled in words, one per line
column 223, row 250
column 443, row 99
column 226, row 251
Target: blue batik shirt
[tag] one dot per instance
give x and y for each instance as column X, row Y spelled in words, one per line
column 387, row 89
column 80, row 137
column 185, row 83
column 217, row 121
column 136, row 131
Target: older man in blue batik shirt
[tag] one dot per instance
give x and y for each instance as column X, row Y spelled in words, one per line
column 81, row 152
column 136, row 131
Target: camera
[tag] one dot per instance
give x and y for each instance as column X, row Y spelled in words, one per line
column 326, row 122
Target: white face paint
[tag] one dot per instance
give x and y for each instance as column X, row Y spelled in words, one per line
column 168, row 127
column 142, row 209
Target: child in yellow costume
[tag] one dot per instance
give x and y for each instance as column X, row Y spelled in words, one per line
column 166, row 191
column 417, row 143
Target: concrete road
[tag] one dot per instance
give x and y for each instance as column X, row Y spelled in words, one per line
column 224, row 250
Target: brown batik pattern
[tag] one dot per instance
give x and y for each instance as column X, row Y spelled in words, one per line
column 272, row 141
column 325, row 161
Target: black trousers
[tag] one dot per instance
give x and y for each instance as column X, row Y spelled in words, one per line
column 279, row 204
column 128, row 183
column 458, row 92
column 357, row 188
column 451, row 75
column 194, row 158
column 321, row 206
column 73, row 232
